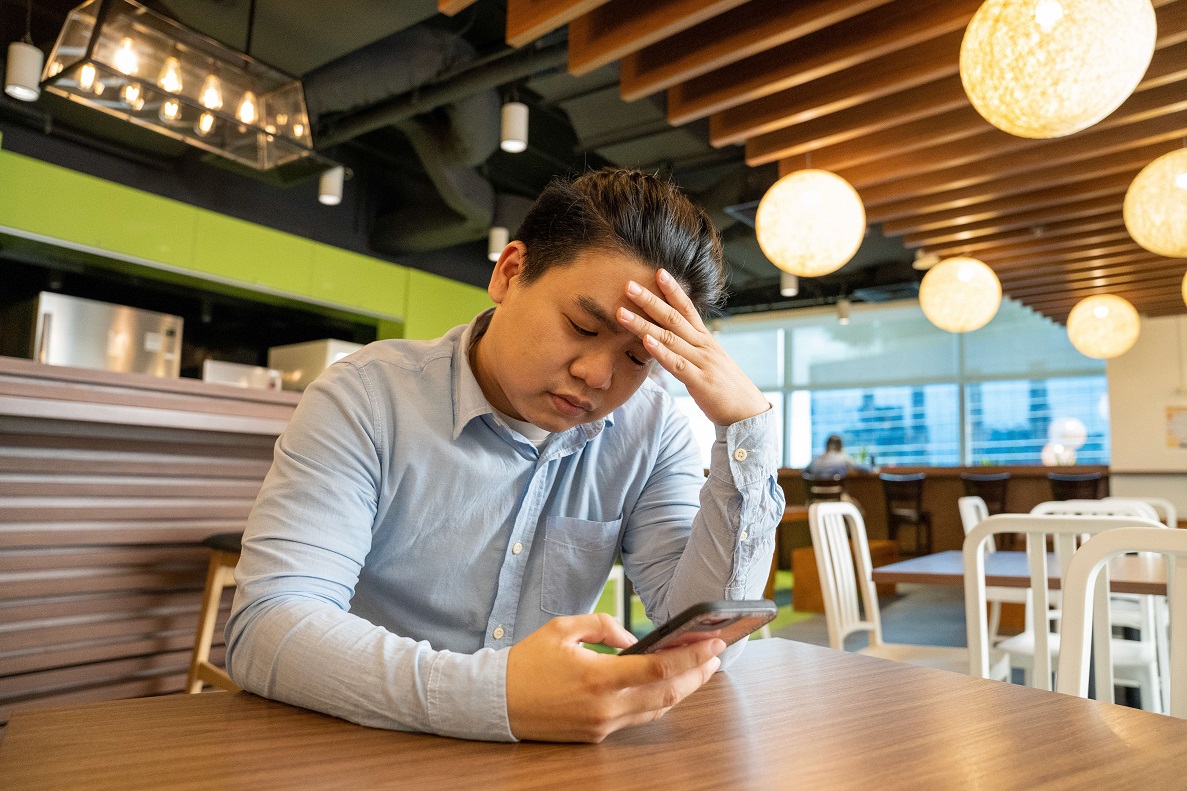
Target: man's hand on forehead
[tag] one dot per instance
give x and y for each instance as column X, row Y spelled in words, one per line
column 677, row 338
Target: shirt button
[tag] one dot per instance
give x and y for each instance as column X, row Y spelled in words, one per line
column 740, row 454
column 743, row 536
column 498, row 633
column 515, row 550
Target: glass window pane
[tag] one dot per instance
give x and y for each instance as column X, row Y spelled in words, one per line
column 915, row 424
column 759, row 353
column 881, row 345
column 1008, row 420
column 1019, row 342
column 703, row 430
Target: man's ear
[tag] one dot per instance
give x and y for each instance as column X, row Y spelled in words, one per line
column 509, row 265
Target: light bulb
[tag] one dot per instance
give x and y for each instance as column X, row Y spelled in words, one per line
column 298, row 130
column 132, row 95
column 211, row 96
column 125, row 58
column 843, row 311
column 170, row 78
column 86, row 76
column 247, row 112
column 55, row 68
column 1047, row 14
column 205, row 124
column 170, row 110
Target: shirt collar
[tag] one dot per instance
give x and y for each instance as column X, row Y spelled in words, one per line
column 470, row 403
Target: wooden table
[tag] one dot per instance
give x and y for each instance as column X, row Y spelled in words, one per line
column 1144, row 573
column 786, row 716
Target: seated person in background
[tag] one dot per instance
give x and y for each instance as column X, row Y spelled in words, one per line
column 834, row 461
column 441, row 516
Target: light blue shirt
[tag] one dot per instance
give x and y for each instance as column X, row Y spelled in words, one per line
column 404, row 539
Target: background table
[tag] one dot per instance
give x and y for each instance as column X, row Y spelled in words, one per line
column 1143, row 573
column 786, row 716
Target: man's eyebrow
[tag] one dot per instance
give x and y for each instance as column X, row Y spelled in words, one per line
column 595, row 310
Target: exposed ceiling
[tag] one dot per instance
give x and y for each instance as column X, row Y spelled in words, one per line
column 724, row 95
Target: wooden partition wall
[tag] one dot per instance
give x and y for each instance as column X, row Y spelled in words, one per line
column 108, row 482
column 943, row 487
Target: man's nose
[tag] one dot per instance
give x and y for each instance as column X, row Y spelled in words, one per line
column 596, row 369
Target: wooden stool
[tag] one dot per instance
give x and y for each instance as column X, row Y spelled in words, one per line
column 219, row 574
column 806, row 594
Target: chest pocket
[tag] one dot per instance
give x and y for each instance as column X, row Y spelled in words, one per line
column 578, row 554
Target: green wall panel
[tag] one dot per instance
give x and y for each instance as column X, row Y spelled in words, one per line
column 249, row 253
column 369, row 283
column 435, row 304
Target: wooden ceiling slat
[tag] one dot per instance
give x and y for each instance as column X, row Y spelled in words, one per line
column 1057, row 231
column 874, row 79
column 1162, row 297
column 875, row 33
column 1154, row 288
column 451, row 7
column 528, row 20
column 1105, row 278
column 1026, row 219
column 1050, row 153
column 888, row 112
column 1037, row 178
column 745, row 31
column 1040, row 244
column 1176, row 310
column 1012, row 204
column 1151, row 268
column 621, row 27
column 1141, row 106
column 1073, row 247
column 1071, row 257
column 958, row 124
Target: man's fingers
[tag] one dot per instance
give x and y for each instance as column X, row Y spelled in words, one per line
column 593, row 628
column 679, row 300
column 643, row 328
column 673, row 363
column 664, row 314
column 649, row 702
column 642, row 669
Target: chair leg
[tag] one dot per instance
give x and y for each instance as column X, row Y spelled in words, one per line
column 216, row 579
column 995, row 620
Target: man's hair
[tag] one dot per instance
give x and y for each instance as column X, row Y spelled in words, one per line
column 628, row 212
column 833, row 442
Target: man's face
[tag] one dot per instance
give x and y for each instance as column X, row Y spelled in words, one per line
column 554, row 354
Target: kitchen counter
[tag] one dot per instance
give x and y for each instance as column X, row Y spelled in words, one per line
column 108, row 482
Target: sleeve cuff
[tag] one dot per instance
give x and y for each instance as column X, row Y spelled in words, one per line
column 745, row 452
column 468, row 696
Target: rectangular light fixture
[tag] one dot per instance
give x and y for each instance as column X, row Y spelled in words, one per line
column 131, row 62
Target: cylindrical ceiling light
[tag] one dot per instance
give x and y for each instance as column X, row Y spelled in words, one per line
column 22, row 73
column 843, row 306
column 496, row 242
column 810, row 223
column 1048, row 68
column 789, row 284
column 514, row 137
column 1156, row 206
column 1185, row 289
column 1103, row 326
column 960, row 294
column 329, row 186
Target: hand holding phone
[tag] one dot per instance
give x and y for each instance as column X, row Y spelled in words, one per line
column 728, row 620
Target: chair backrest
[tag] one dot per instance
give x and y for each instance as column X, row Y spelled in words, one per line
column 903, row 490
column 990, row 487
column 1075, row 486
column 846, row 581
column 1110, row 506
column 1089, row 571
column 823, row 488
column 1167, row 514
column 1065, row 530
column 973, row 511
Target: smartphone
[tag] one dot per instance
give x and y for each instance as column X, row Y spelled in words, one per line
column 727, row 620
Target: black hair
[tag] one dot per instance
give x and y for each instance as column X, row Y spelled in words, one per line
column 833, row 442
column 630, row 212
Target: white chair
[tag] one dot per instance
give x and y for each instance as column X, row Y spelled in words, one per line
column 843, row 560
column 1089, row 571
column 972, row 511
column 1163, row 507
column 1110, row 506
column 1135, row 662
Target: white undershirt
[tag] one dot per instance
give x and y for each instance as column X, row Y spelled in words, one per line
column 531, row 432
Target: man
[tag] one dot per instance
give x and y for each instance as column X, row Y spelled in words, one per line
column 834, row 461
column 441, row 516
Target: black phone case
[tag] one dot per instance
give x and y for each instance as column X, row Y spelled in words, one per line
column 732, row 619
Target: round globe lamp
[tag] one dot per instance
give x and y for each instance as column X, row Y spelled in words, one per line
column 1156, row 205
column 960, row 294
column 1103, row 326
column 810, row 223
column 1048, row 68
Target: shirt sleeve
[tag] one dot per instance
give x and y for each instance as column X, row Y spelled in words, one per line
column 677, row 554
column 291, row 636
